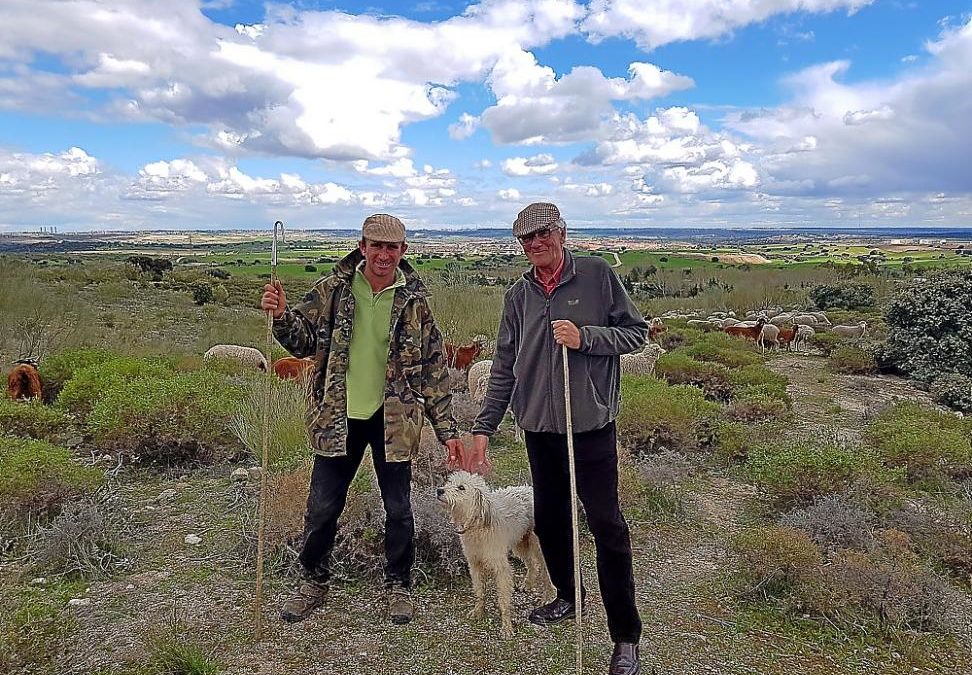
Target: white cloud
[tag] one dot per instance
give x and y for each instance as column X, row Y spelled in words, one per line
column 464, row 128
column 537, row 165
column 871, row 137
column 509, row 194
column 533, row 106
column 659, row 22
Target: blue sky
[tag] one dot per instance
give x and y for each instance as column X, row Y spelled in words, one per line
column 128, row 114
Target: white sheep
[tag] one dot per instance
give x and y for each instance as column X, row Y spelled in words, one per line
column 853, row 332
column 248, row 356
column 479, row 379
column 781, row 319
column 805, row 320
column 704, row 324
column 642, row 363
column 770, row 334
column 803, row 336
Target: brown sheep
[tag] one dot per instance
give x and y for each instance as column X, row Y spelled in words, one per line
column 291, row 368
column 23, row 382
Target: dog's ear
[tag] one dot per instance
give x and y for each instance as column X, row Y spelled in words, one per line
column 483, row 512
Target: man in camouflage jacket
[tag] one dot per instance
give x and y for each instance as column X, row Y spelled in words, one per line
column 379, row 371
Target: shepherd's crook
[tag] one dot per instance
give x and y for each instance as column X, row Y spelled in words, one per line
column 258, row 611
column 578, row 597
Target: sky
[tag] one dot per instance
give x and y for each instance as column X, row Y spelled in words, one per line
column 227, row 114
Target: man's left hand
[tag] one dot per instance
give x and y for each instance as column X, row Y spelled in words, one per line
column 566, row 333
column 455, row 451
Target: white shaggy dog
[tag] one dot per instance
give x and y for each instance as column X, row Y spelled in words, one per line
column 491, row 523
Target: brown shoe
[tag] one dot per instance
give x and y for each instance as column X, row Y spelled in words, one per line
column 625, row 659
column 400, row 607
column 309, row 596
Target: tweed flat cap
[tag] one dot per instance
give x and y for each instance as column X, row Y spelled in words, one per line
column 535, row 217
column 382, row 227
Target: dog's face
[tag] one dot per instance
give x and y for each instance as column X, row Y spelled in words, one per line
column 464, row 495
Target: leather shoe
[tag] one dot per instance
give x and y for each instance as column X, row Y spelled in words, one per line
column 624, row 660
column 553, row 612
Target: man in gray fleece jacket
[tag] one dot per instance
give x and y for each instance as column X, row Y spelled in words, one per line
column 580, row 303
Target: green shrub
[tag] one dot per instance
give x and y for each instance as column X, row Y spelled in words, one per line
column 826, row 342
column 679, row 336
column 757, row 403
column 724, row 349
column 656, row 416
column 83, row 391
column 58, row 368
column 953, row 390
column 202, row 292
column 797, row 471
column 711, row 378
column 922, row 441
column 852, row 360
column 848, row 295
column 930, row 327
column 36, row 478
column 33, row 419
column 288, row 445
column 173, row 418
column 755, row 378
column 732, row 441
column 775, row 561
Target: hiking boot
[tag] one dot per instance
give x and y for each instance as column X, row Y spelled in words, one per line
column 308, row 597
column 553, row 612
column 400, row 607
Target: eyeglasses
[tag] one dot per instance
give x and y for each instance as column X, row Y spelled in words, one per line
column 539, row 235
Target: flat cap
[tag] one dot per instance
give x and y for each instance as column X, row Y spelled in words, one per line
column 535, row 217
column 383, row 227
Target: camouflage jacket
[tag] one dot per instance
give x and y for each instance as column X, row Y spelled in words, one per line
column 417, row 380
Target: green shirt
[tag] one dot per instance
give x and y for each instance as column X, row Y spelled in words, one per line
column 368, row 352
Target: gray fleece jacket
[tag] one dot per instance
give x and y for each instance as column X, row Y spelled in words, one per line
column 527, row 372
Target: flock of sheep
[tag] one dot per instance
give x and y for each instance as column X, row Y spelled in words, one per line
column 773, row 327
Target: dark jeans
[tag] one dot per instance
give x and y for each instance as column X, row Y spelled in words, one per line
column 596, row 459
column 328, row 495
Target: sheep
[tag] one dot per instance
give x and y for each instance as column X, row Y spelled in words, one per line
column 748, row 332
column 248, row 356
column 643, row 362
column 821, row 318
column 292, row 368
column 23, row 382
column 803, row 337
column 701, row 324
column 770, row 334
column 853, row 332
column 805, row 319
column 478, row 377
column 781, row 319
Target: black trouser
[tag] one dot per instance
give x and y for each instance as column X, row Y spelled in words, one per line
column 596, row 459
column 328, row 494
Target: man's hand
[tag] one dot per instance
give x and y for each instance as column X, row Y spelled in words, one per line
column 566, row 333
column 274, row 299
column 477, row 460
column 455, row 452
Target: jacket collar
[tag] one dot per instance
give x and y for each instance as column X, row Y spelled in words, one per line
column 348, row 265
column 566, row 275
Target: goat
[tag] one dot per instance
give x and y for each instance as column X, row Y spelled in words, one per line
column 655, row 328
column 462, row 356
column 770, row 334
column 23, row 382
column 787, row 336
column 748, row 332
column 292, row 368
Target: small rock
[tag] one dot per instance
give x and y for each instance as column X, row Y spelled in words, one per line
column 39, row 581
column 79, row 602
column 74, row 442
column 192, row 539
column 166, row 495
column 240, row 474
column 255, row 472
column 129, row 587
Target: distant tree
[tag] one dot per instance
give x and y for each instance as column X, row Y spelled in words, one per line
column 714, row 259
column 663, row 259
column 218, row 273
column 842, row 296
column 310, row 268
column 202, row 293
